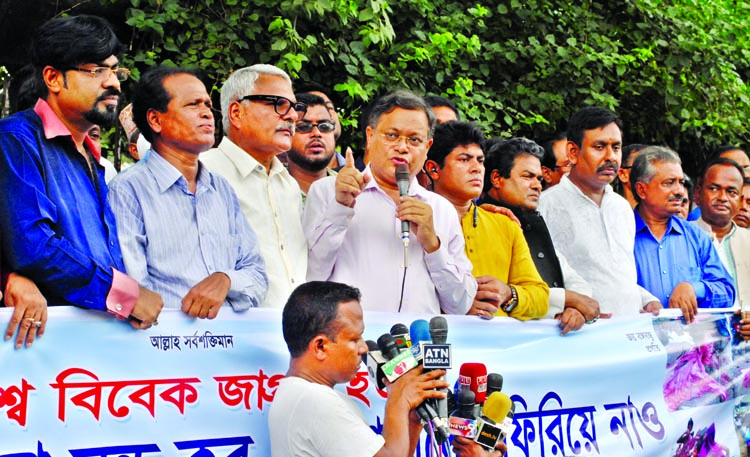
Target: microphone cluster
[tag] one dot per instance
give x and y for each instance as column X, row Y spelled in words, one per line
column 478, row 410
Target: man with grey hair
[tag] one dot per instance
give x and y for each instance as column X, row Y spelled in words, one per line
column 676, row 260
column 353, row 221
column 259, row 113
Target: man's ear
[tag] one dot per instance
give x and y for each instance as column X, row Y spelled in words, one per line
column 317, row 346
column 496, row 179
column 54, row 79
column 624, row 172
column 153, row 119
column 234, row 113
column 572, row 150
column 640, row 189
column 432, row 169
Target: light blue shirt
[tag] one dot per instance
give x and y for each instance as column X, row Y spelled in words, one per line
column 684, row 254
column 173, row 239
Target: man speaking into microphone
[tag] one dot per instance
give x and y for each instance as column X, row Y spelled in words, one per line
column 353, row 221
column 323, row 327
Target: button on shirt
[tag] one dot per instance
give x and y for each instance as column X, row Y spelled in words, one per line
column 362, row 246
column 173, row 239
column 58, row 229
column 272, row 204
column 684, row 254
column 598, row 242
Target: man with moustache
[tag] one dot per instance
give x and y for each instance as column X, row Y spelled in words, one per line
column 353, row 221
column 181, row 227
column 57, row 229
column 313, row 144
column 509, row 284
column 718, row 194
column 259, row 112
column 675, row 259
column 589, row 223
column 513, row 179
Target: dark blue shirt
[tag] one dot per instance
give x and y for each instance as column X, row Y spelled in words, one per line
column 57, row 227
column 684, row 254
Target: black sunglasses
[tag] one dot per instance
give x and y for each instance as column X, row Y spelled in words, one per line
column 307, row 127
column 281, row 105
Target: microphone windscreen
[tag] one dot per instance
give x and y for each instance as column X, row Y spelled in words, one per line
column 496, row 407
column 494, row 383
column 419, row 331
column 439, row 330
column 399, row 329
column 387, row 346
column 372, row 346
column 473, row 375
column 402, row 178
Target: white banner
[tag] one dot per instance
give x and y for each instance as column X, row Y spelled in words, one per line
column 93, row 386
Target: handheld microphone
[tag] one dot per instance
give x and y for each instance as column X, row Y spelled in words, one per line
column 374, row 361
column 437, row 355
column 402, row 180
column 401, row 334
column 390, row 351
column 419, row 330
column 397, row 362
column 473, row 375
column 463, row 422
column 494, row 383
column 493, row 424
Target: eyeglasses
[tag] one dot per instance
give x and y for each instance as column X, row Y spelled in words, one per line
column 324, row 127
column 281, row 105
column 103, row 73
column 567, row 165
column 394, row 138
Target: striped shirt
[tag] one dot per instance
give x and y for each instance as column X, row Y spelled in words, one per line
column 172, row 239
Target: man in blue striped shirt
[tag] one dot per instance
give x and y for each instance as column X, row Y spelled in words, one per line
column 181, row 228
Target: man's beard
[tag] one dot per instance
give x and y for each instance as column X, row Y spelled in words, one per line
column 313, row 164
column 104, row 118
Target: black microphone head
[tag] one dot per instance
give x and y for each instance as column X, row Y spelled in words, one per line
column 451, row 400
column 494, row 383
column 399, row 329
column 371, row 346
column 387, row 346
column 465, row 403
column 438, row 330
column 402, row 178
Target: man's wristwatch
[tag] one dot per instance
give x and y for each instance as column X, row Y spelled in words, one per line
column 512, row 302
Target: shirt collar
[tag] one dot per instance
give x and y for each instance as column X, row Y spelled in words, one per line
column 673, row 226
column 565, row 181
column 245, row 163
column 166, row 175
column 54, row 127
column 707, row 228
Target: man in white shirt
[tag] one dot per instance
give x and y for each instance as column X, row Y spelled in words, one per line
column 513, row 176
column 323, row 327
column 353, row 221
column 259, row 114
column 590, row 224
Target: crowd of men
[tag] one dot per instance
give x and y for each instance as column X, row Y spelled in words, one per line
column 433, row 218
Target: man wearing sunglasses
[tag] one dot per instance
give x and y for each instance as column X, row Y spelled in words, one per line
column 259, row 115
column 313, row 145
column 57, row 228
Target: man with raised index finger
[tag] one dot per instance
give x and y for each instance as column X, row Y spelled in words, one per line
column 353, row 221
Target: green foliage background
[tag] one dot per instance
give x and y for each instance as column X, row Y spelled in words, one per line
column 675, row 71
